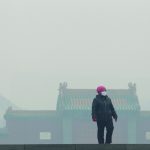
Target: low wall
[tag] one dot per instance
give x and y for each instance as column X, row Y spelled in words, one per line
column 77, row 147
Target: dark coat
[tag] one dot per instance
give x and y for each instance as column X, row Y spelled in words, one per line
column 102, row 108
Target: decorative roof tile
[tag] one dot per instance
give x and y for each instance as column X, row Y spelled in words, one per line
column 81, row 99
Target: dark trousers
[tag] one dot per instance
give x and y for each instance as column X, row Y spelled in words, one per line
column 101, row 124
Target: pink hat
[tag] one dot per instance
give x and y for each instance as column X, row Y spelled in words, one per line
column 101, row 88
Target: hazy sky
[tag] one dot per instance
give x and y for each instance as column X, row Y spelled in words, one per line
column 82, row 42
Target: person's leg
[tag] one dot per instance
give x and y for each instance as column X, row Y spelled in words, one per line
column 109, row 129
column 100, row 132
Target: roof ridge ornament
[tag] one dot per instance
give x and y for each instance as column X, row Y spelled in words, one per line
column 132, row 86
column 62, row 88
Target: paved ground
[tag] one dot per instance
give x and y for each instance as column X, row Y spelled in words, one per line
column 77, row 147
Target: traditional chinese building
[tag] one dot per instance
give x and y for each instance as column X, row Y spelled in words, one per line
column 71, row 122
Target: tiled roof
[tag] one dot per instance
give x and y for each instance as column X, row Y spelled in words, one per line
column 81, row 99
column 31, row 114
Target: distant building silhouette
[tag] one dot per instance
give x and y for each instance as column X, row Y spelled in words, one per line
column 71, row 123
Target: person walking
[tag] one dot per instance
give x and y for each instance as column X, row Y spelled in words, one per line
column 102, row 113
